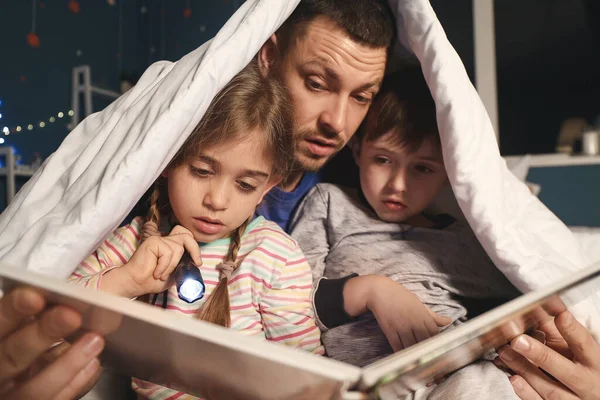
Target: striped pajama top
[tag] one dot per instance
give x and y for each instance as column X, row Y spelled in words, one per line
column 269, row 292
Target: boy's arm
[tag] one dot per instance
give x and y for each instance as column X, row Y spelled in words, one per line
column 114, row 252
column 286, row 308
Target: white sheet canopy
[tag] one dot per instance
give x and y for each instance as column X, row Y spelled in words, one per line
column 87, row 187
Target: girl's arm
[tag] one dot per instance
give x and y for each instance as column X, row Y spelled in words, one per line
column 286, row 307
column 114, row 252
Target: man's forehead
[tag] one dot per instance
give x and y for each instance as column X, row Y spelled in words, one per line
column 340, row 57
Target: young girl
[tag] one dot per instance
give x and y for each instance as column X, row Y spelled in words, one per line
column 257, row 279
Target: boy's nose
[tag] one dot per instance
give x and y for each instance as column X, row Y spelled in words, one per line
column 398, row 181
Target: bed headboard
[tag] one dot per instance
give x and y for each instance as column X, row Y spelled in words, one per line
column 570, row 186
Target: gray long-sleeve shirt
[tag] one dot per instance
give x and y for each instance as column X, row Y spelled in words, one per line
column 341, row 235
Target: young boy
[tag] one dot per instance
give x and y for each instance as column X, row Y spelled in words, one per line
column 419, row 267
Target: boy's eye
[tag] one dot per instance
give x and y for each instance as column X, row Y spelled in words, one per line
column 382, row 160
column 246, row 187
column 424, row 169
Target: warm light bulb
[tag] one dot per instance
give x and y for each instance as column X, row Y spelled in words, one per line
column 71, row 112
column 42, row 124
column 52, row 119
column 18, row 129
column 30, row 127
column 60, row 114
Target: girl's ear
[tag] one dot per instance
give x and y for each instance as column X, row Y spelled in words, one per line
column 267, row 56
column 272, row 183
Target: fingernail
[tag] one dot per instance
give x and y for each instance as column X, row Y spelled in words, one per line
column 568, row 318
column 521, row 344
column 93, row 345
column 23, row 301
column 506, row 353
column 517, row 383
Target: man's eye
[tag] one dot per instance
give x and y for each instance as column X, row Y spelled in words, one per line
column 314, row 84
column 364, row 100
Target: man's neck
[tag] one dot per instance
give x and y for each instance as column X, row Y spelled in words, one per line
column 292, row 181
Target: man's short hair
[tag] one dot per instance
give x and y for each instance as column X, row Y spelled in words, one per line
column 405, row 107
column 368, row 22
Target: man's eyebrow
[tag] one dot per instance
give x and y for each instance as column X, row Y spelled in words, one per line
column 321, row 62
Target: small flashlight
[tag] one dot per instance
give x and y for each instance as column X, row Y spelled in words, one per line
column 190, row 285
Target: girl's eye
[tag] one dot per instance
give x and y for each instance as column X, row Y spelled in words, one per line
column 201, row 172
column 246, row 187
column 382, row 160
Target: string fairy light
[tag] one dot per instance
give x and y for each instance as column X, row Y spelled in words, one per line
column 7, row 130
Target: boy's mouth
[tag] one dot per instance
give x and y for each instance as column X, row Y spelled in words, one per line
column 209, row 226
column 394, row 205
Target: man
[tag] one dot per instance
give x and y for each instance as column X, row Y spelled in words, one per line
column 331, row 54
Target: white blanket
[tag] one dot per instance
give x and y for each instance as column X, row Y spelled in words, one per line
column 86, row 188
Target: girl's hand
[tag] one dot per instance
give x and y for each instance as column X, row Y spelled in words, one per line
column 150, row 267
column 401, row 316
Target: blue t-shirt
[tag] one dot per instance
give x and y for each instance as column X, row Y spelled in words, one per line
column 279, row 206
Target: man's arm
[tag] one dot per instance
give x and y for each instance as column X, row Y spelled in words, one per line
column 576, row 377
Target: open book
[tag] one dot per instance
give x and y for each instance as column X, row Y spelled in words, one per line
column 200, row 358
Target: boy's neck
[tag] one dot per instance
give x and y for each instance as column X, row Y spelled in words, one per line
column 292, row 181
column 420, row 221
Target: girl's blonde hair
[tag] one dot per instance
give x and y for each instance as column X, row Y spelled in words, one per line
column 250, row 102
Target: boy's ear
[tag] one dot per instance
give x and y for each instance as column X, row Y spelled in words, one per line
column 272, row 183
column 267, row 55
column 354, row 145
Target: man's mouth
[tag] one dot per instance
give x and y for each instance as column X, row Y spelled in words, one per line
column 322, row 147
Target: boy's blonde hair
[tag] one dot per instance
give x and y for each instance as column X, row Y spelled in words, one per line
column 250, row 102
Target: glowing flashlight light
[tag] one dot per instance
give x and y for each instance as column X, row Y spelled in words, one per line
column 190, row 285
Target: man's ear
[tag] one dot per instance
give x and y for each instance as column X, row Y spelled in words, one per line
column 354, row 145
column 267, row 55
column 272, row 183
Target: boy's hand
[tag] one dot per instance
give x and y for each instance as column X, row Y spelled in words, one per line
column 402, row 317
column 150, row 267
